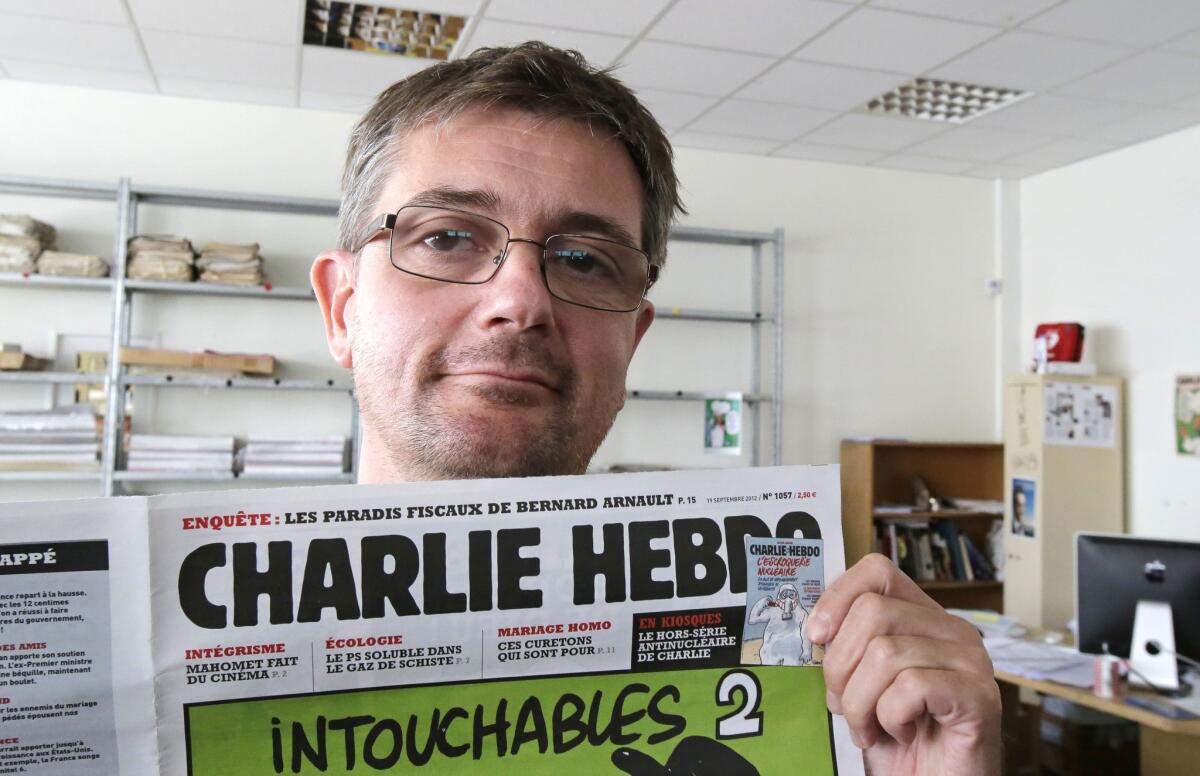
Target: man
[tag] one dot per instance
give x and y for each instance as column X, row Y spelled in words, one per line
column 503, row 216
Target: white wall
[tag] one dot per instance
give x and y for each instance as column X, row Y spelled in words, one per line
column 888, row 328
column 1114, row 243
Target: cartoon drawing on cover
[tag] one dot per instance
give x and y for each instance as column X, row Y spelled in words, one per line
column 693, row 756
column 783, row 643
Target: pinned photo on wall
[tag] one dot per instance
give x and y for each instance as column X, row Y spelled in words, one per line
column 1187, row 415
column 1024, row 507
column 723, row 424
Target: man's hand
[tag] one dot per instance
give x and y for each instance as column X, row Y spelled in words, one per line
column 914, row 683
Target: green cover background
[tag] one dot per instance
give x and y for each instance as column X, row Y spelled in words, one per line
column 235, row 737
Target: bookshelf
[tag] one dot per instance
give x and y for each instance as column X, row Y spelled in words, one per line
column 877, row 472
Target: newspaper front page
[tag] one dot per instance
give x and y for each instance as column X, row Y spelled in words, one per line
column 586, row 624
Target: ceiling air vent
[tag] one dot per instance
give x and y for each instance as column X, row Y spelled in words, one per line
column 381, row 28
column 948, row 101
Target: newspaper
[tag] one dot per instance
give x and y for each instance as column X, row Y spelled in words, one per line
column 587, row 624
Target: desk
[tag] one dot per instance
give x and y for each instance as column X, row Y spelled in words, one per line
column 1169, row 747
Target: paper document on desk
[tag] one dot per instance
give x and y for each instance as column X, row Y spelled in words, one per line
column 1039, row 661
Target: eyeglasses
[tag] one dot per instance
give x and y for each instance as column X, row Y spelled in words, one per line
column 456, row 246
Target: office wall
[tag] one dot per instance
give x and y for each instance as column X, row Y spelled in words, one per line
column 888, row 327
column 1114, row 243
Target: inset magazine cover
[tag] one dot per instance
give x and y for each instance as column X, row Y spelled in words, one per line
column 784, row 579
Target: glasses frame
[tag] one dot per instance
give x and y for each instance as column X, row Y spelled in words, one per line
column 387, row 223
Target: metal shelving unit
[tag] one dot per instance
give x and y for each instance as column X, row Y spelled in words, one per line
column 128, row 197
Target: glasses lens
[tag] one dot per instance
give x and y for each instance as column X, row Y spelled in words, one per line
column 596, row 273
column 446, row 244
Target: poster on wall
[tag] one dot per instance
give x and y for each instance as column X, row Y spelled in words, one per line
column 723, row 424
column 1080, row 414
column 1187, row 415
column 1024, row 507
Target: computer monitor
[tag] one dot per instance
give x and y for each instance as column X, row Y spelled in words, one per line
column 1114, row 572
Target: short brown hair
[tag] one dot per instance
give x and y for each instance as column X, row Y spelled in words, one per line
column 533, row 77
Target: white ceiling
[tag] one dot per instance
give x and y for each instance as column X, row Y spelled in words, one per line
column 776, row 77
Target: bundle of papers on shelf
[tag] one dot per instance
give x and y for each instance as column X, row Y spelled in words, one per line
column 234, row 263
column 72, row 265
column 160, row 257
column 63, row 439
column 179, row 453
column 314, row 456
column 22, row 240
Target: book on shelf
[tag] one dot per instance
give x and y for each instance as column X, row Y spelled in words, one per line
column 143, row 461
column 285, row 470
column 180, row 442
column 75, row 417
column 29, row 448
column 932, row 551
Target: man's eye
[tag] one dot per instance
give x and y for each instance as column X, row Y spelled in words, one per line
column 584, row 262
column 446, row 240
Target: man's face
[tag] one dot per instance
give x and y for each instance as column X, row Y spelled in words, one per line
column 498, row 379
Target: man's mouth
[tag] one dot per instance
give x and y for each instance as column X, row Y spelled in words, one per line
column 509, row 379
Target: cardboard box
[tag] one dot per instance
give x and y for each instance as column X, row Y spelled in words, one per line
column 257, row 364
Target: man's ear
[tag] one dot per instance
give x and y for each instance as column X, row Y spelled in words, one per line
column 332, row 280
column 645, row 317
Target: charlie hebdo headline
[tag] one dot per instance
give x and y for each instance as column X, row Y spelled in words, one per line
column 312, row 593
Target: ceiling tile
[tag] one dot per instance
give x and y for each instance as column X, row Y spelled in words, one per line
column 897, row 42
column 674, row 109
column 1055, row 114
column 1003, row 171
column 1003, row 13
column 882, row 133
column 820, row 86
column 1185, row 44
column 342, row 71
column 619, row 17
column 762, row 27
column 981, row 145
column 741, row 145
column 79, row 76
column 821, row 153
column 1136, row 22
column 924, row 164
column 1030, row 60
column 342, row 103
column 220, row 59
column 1145, row 125
column 760, row 119
column 688, row 69
column 1153, row 78
column 599, row 50
column 269, row 21
column 453, row 7
column 102, row 11
column 65, row 42
column 1061, row 152
column 229, row 92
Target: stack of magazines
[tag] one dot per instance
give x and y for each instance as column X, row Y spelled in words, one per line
column 316, row 457
column 63, row 439
column 160, row 257
column 22, row 240
column 178, row 453
column 232, row 263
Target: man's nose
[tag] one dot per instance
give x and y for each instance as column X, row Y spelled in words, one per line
column 516, row 295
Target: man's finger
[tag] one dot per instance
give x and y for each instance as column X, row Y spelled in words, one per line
column 964, row 705
column 872, row 574
column 885, row 658
column 872, row 616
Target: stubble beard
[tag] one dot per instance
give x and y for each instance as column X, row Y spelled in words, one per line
column 429, row 436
